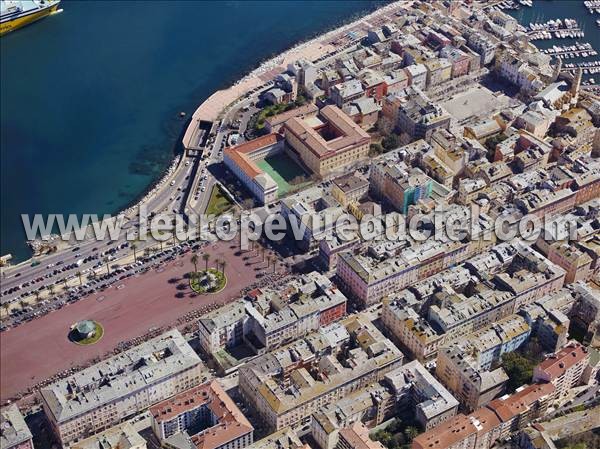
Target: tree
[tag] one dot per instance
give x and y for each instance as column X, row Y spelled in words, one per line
column 205, row 258
column 51, row 289
column 391, row 141
column 376, row 149
column 6, row 307
column 134, row 247
column 79, row 276
column 223, row 265
column 194, row 260
column 106, row 260
column 37, row 298
column 411, row 433
column 518, row 368
column 274, row 261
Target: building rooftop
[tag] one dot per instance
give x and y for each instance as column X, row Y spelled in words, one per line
column 346, row 133
column 122, row 436
column 135, row 369
column 555, row 365
column 371, row 352
column 239, row 154
column 13, row 429
column 434, row 399
column 228, row 422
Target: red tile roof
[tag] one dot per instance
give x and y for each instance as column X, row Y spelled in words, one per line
column 448, row 433
column 519, row 402
column 231, row 422
column 238, row 153
column 555, row 365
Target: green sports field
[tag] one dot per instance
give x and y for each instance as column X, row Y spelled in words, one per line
column 282, row 169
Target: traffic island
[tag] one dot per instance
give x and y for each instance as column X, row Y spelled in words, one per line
column 86, row 332
column 208, row 281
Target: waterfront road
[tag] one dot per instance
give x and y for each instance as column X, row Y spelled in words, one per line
column 89, row 254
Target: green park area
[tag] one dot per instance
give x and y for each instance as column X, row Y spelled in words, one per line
column 218, row 202
column 285, row 172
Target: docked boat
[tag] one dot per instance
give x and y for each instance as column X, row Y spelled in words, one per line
column 15, row 14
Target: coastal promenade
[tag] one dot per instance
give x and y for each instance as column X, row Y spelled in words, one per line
column 320, row 47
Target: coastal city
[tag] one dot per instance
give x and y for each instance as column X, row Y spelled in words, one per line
column 386, row 237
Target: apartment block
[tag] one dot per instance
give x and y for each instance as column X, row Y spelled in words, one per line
column 415, row 387
column 485, row 426
column 473, row 386
column 98, row 397
column 563, row 369
column 223, row 327
column 370, row 406
column 204, row 417
column 411, row 330
column 287, row 386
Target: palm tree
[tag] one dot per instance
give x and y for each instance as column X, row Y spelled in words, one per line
column 106, row 261
column 37, row 298
column 217, row 264
column 65, row 282
column 205, row 258
column 6, row 307
column 264, row 251
column 23, row 304
column 223, row 265
column 51, row 289
column 274, row 260
column 194, row 260
column 134, row 247
column 79, row 276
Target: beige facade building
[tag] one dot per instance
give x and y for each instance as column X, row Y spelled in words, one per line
column 328, row 144
column 285, row 387
column 472, row 386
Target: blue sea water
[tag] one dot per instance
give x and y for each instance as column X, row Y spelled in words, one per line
column 90, row 97
column 544, row 10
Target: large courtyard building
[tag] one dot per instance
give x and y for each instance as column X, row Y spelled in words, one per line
column 330, row 143
column 241, row 160
column 118, row 388
column 203, row 417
